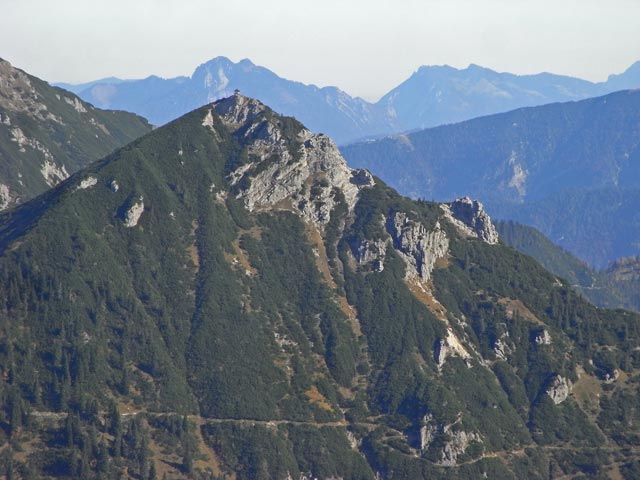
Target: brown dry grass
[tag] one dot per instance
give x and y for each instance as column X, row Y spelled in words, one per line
column 239, row 256
column 212, row 462
column 322, row 264
column 316, row 398
column 587, row 391
column 514, row 307
column 192, row 250
column 425, row 296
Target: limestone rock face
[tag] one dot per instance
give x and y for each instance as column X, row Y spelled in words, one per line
column 456, row 444
column 543, row 338
column 428, row 432
column 5, row 196
column 87, row 183
column 416, row 245
column 310, row 178
column 419, row 247
column 371, row 252
column 238, row 111
column 17, row 94
column 455, row 447
column 450, row 346
column 133, row 214
column 501, row 348
column 471, row 220
column 559, row 389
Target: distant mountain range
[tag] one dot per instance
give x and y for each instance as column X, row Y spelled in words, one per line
column 47, row 133
column 433, row 95
column 438, row 95
column 328, row 110
column 572, row 169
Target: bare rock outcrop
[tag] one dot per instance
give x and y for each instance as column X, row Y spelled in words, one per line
column 543, row 338
column 133, row 214
column 5, row 196
column 450, row 346
column 428, row 432
column 87, row 183
column 371, row 252
column 419, row 247
column 456, row 441
column 311, row 179
column 559, row 389
column 456, row 446
column 469, row 217
column 501, row 348
column 18, row 94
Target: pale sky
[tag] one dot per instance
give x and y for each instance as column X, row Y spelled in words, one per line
column 364, row 47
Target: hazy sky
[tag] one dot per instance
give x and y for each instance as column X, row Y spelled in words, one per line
column 363, row 47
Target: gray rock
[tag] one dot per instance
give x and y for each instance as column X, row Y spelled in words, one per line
column 469, row 217
column 371, row 252
column 133, row 214
column 559, row 389
column 456, row 446
column 312, row 179
column 418, row 247
column 543, row 338
column 428, row 432
column 450, row 346
column 501, row 348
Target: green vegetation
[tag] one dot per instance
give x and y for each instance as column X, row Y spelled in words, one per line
column 207, row 341
column 618, row 286
column 73, row 133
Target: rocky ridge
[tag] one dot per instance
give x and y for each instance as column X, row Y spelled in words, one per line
column 421, row 247
column 313, row 177
column 471, row 220
column 47, row 133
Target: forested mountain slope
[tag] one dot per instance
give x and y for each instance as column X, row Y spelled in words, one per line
column 47, row 133
column 225, row 298
column 569, row 169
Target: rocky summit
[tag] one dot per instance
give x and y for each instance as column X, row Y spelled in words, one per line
column 225, row 298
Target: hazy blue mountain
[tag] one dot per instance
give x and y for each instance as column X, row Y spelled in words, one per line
column 153, row 98
column 79, row 87
column 437, row 95
column 328, row 110
column 433, row 95
column 225, row 298
column 570, row 169
column 629, row 79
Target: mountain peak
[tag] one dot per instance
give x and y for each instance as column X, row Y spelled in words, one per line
column 287, row 166
column 474, row 67
column 245, row 62
column 238, row 110
column 219, row 60
column 629, row 79
column 471, row 220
